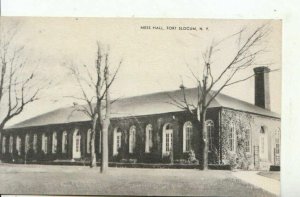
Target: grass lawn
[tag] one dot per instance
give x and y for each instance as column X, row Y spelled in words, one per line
column 272, row 175
column 42, row 179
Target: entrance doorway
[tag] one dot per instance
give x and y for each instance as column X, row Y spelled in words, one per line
column 167, row 140
column 263, row 144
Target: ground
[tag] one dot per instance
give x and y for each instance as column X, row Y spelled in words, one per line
column 45, row 179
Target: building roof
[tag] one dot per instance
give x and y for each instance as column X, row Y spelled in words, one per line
column 156, row 103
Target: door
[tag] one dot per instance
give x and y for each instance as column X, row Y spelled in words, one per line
column 263, row 147
column 167, row 141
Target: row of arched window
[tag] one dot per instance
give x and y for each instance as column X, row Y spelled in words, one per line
column 188, row 135
column 44, row 146
column 11, row 142
column 167, row 137
column 117, row 141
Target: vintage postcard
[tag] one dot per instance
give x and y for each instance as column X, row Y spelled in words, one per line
column 137, row 106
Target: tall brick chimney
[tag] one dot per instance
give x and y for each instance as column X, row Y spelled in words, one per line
column 262, row 89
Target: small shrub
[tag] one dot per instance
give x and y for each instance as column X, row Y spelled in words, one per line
column 192, row 158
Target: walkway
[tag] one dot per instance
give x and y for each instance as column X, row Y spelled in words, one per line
column 268, row 184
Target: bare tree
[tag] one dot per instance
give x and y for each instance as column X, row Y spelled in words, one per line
column 95, row 88
column 18, row 82
column 209, row 86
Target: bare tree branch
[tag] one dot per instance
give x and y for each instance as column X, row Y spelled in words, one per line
column 248, row 49
column 98, row 89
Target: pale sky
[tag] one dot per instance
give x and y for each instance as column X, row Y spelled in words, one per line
column 153, row 60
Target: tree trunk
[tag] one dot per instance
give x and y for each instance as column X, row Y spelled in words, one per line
column 205, row 140
column 0, row 145
column 104, row 146
column 1, row 129
column 106, row 122
column 92, row 143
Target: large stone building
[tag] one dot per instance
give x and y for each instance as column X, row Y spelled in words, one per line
column 148, row 129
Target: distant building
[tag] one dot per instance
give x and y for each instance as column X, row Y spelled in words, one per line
column 148, row 129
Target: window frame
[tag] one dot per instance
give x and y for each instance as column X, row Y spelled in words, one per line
column 54, row 142
column 277, row 141
column 3, row 144
column 88, row 140
column 232, row 137
column 45, row 143
column 247, row 140
column 18, row 144
column 64, row 143
column 27, row 143
column 148, row 138
column 210, row 129
column 11, row 144
column 167, row 139
column 132, row 139
column 35, row 136
column 117, row 134
column 187, row 136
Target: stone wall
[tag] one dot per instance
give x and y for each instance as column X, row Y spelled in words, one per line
column 176, row 120
column 257, row 126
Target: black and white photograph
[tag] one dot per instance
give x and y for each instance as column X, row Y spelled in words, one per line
column 140, row 106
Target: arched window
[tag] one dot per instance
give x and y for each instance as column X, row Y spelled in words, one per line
column 263, row 143
column 27, row 143
column 45, row 143
column 232, row 138
column 77, row 140
column 187, row 136
column 132, row 139
column 4, row 144
column 76, row 144
column 54, row 142
column 88, row 141
column 277, row 141
column 167, row 140
column 18, row 145
column 11, row 143
column 148, row 137
column 117, row 140
column 277, row 147
column 262, row 140
column 210, row 133
column 247, row 140
column 64, row 143
column 35, row 142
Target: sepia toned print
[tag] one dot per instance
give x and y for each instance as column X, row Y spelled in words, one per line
column 125, row 106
